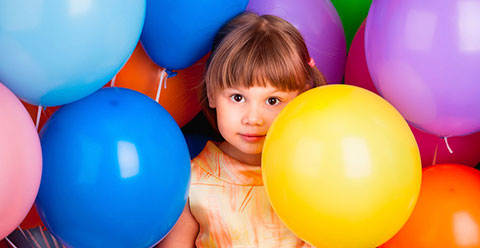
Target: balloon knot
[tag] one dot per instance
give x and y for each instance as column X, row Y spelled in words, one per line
column 170, row 73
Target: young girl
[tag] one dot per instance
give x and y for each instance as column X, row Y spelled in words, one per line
column 258, row 64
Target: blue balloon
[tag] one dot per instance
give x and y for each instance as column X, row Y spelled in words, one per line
column 177, row 33
column 116, row 171
column 55, row 52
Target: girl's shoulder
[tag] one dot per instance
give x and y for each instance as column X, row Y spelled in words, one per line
column 207, row 163
column 207, row 158
column 211, row 149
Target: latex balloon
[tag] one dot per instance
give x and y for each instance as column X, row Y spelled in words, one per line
column 352, row 13
column 20, row 162
column 423, row 58
column 116, row 171
column 356, row 70
column 339, row 159
column 319, row 24
column 433, row 149
column 179, row 33
column 178, row 95
column 447, row 214
column 55, row 52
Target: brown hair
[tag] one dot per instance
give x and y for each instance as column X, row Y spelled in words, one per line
column 252, row 50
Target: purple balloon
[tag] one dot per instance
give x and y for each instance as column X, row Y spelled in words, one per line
column 320, row 26
column 424, row 58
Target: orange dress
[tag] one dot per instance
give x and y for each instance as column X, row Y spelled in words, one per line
column 228, row 200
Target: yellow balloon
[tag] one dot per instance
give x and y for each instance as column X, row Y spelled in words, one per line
column 341, row 167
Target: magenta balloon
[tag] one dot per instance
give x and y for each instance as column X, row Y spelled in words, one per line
column 320, row 26
column 356, row 71
column 424, row 58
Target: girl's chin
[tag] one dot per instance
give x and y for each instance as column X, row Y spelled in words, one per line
column 243, row 148
column 252, row 151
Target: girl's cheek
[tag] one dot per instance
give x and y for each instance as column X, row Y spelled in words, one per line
column 273, row 114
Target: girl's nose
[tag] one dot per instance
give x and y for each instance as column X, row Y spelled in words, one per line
column 253, row 116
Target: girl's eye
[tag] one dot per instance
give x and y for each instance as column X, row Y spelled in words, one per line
column 272, row 101
column 237, row 98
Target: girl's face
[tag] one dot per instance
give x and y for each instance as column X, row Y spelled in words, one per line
column 244, row 116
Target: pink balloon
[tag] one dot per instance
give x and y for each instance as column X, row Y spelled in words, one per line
column 20, row 162
column 466, row 149
column 423, row 57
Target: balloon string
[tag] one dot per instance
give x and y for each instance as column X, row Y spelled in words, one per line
column 112, row 82
column 10, row 242
column 448, row 146
column 37, row 123
column 435, row 154
column 163, row 80
column 23, row 233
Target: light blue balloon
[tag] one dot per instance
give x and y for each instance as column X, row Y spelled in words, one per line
column 54, row 52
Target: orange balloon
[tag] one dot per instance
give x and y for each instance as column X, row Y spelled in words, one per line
column 179, row 98
column 447, row 213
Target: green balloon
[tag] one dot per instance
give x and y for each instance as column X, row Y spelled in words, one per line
column 352, row 13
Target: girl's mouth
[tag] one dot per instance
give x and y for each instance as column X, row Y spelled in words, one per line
column 252, row 137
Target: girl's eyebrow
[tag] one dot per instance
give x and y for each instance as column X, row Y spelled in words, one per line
column 230, row 89
column 281, row 92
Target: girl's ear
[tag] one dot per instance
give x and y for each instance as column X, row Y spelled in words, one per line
column 211, row 101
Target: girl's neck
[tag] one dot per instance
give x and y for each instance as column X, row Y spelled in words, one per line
column 251, row 159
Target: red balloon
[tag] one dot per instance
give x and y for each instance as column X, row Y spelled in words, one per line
column 433, row 149
column 3, row 244
column 447, row 213
column 32, row 219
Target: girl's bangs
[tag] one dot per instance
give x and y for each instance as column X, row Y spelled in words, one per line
column 263, row 69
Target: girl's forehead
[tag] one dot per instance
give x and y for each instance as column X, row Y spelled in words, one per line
column 267, row 89
column 253, row 86
column 259, row 83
